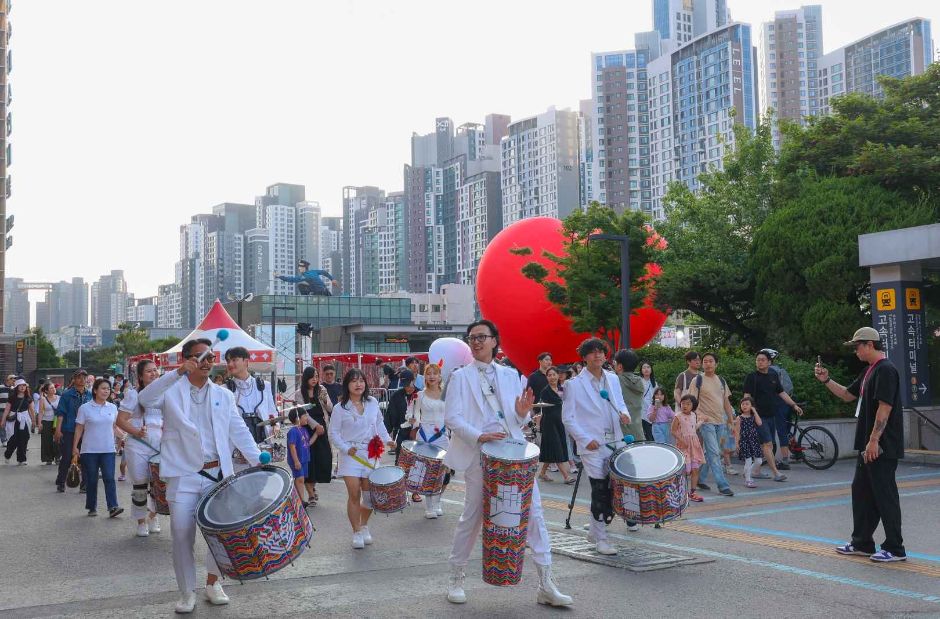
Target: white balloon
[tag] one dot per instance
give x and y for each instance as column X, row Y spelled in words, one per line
column 453, row 352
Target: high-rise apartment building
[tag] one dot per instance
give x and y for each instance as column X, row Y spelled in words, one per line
column 169, row 307
column 225, row 250
column 381, row 251
column 16, row 302
column 307, row 228
column 697, row 93
column 586, row 139
column 143, row 311
column 191, row 270
column 540, row 166
column 791, row 47
column 257, row 270
column 359, row 203
column 679, row 21
column 897, row 51
column 65, row 305
column 6, row 151
column 331, row 246
column 109, row 300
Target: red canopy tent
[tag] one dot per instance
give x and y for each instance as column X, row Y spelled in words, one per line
column 365, row 361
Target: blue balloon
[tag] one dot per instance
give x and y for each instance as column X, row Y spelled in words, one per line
column 264, row 458
column 222, row 335
column 628, row 439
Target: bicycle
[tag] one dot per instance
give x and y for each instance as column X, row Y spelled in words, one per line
column 814, row 445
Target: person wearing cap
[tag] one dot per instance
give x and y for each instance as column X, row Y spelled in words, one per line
column 309, row 281
column 5, row 390
column 879, row 439
column 399, row 406
column 67, row 410
column 19, row 416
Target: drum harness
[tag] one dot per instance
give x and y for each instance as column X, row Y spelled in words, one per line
column 252, row 418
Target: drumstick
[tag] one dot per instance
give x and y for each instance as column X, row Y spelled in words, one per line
column 221, row 336
column 627, row 439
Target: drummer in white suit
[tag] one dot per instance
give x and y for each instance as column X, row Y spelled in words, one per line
column 485, row 402
column 201, row 426
column 592, row 412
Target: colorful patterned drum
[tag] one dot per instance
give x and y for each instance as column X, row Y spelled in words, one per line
column 424, row 468
column 648, row 482
column 509, row 468
column 254, row 522
column 387, row 484
column 158, row 487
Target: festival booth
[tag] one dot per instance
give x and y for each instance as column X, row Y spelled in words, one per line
column 261, row 356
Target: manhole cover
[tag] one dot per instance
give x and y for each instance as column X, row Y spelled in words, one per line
column 629, row 556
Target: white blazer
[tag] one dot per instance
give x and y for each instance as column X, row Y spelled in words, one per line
column 466, row 412
column 586, row 415
column 180, row 447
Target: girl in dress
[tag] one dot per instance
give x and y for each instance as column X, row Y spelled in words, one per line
column 19, row 417
column 685, row 427
column 427, row 413
column 356, row 420
column 298, row 449
column 320, row 465
column 661, row 415
column 748, row 440
column 554, row 447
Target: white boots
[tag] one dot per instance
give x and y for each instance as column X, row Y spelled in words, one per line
column 216, row 595
column 433, row 507
column 186, row 603
column 548, row 593
column 455, row 592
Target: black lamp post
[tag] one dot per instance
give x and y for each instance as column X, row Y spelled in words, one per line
column 624, row 241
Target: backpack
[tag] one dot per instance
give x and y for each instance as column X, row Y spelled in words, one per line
column 259, row 383
column 698, row 384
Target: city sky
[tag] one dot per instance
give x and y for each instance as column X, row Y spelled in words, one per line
column 128, row 120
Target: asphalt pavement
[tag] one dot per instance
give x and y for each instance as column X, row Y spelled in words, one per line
column 765, row 551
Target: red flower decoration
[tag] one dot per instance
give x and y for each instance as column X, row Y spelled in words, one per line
column 376, row 448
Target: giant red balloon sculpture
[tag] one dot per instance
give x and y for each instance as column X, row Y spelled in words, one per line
column 528, row 323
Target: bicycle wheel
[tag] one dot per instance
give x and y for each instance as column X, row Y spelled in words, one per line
column 820, row 449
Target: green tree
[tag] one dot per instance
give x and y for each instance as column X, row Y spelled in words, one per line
column 131, row 341
column 896, row 141
column 805, row 260
column 46, row 356
column 585, row 283
column 706, row 268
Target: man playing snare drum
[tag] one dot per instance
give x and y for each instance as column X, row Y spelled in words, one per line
column 593, row 410
column 201, row 426
column 485, row 403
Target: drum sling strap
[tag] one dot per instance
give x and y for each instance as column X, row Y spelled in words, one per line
column 602, row 505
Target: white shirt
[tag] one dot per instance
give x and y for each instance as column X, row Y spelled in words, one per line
column 98, row 422
column 250, row 401
column 153, row 417
column 648, row 388
column 202, row 417
column 47, row 406
column 349, row 428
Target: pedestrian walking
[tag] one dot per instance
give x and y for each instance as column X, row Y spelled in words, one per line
column 765, row 389
column 66, row 412
column 625, row 361
column 716, row 417
column 660, row 416
column 48, row 400
column 649, row 388
column 748, row 440
column 319, row 406
column 19, row 416
column 554, row 448
column 879, row 439
column 5, row 390
column 94, row 430
column 782, row 410
column 685, row 428
column 684, row 380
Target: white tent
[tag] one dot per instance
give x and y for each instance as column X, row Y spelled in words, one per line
column 261, row 356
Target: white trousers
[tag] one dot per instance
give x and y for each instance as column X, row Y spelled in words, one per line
column 183, row 493
column 471, row 522
column 138, row 468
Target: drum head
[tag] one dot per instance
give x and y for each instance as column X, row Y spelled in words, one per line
column 385, row 475
column 511, row 450
column 424, row 449
column 241, row 499
column 646, row 462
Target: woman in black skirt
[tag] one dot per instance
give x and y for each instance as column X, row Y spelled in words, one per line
column 320, row 468
column 554, row 447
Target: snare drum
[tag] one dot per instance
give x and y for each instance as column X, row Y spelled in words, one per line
column 424, row 468
column 648, row 482
column 254, row 523
column 509, row 468
column 157, row 487
column 387, row 485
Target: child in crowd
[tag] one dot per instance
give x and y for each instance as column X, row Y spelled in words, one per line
column 685, row 427
column 298, row 446
column 661, row 416
column 745, row 434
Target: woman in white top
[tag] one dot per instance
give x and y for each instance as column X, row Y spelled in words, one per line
column 94, row 429
column 19, row 416
column 649, row 388
column 428, row 413
column 144, row 429
column 48, row 400
column 356, row 419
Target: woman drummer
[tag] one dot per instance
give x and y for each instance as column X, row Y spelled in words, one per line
column 428, row 411
column 355, row 421
column 144, row 429
column 319, row 407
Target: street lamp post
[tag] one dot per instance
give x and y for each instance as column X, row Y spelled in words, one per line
column 239, row 300
column 274, row 310
column 624, row 241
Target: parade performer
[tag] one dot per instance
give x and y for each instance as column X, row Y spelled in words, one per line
column 427, row 412
column 253, row 395
column 485, row 402
column 309, row 281
column 594, row 413
column 319, row 407
column 144, row 428
column 201, row 426
column 355, row 422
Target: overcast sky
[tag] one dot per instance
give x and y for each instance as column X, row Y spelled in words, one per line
column 131, row 116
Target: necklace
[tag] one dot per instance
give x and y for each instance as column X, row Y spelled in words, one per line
column 244, row 387
column 194, row 393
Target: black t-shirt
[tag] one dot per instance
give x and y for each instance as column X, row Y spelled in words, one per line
column 883, row 385
column 537, row 382
column 333, row 390
column 765, row 390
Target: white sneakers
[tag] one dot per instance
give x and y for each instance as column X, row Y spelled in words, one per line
column 187, row 603
column 142, row 530
column 633, row 528
column 455, row 592
column 357, row 541
column 366, row 536
column 153, row 524
column 215, row 594
column 603, row 547
column 548, row 592
column 430, row 513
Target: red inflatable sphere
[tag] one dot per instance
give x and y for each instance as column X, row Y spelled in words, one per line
column 528, row 323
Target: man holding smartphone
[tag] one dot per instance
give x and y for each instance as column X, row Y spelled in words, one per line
column 879, row 439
